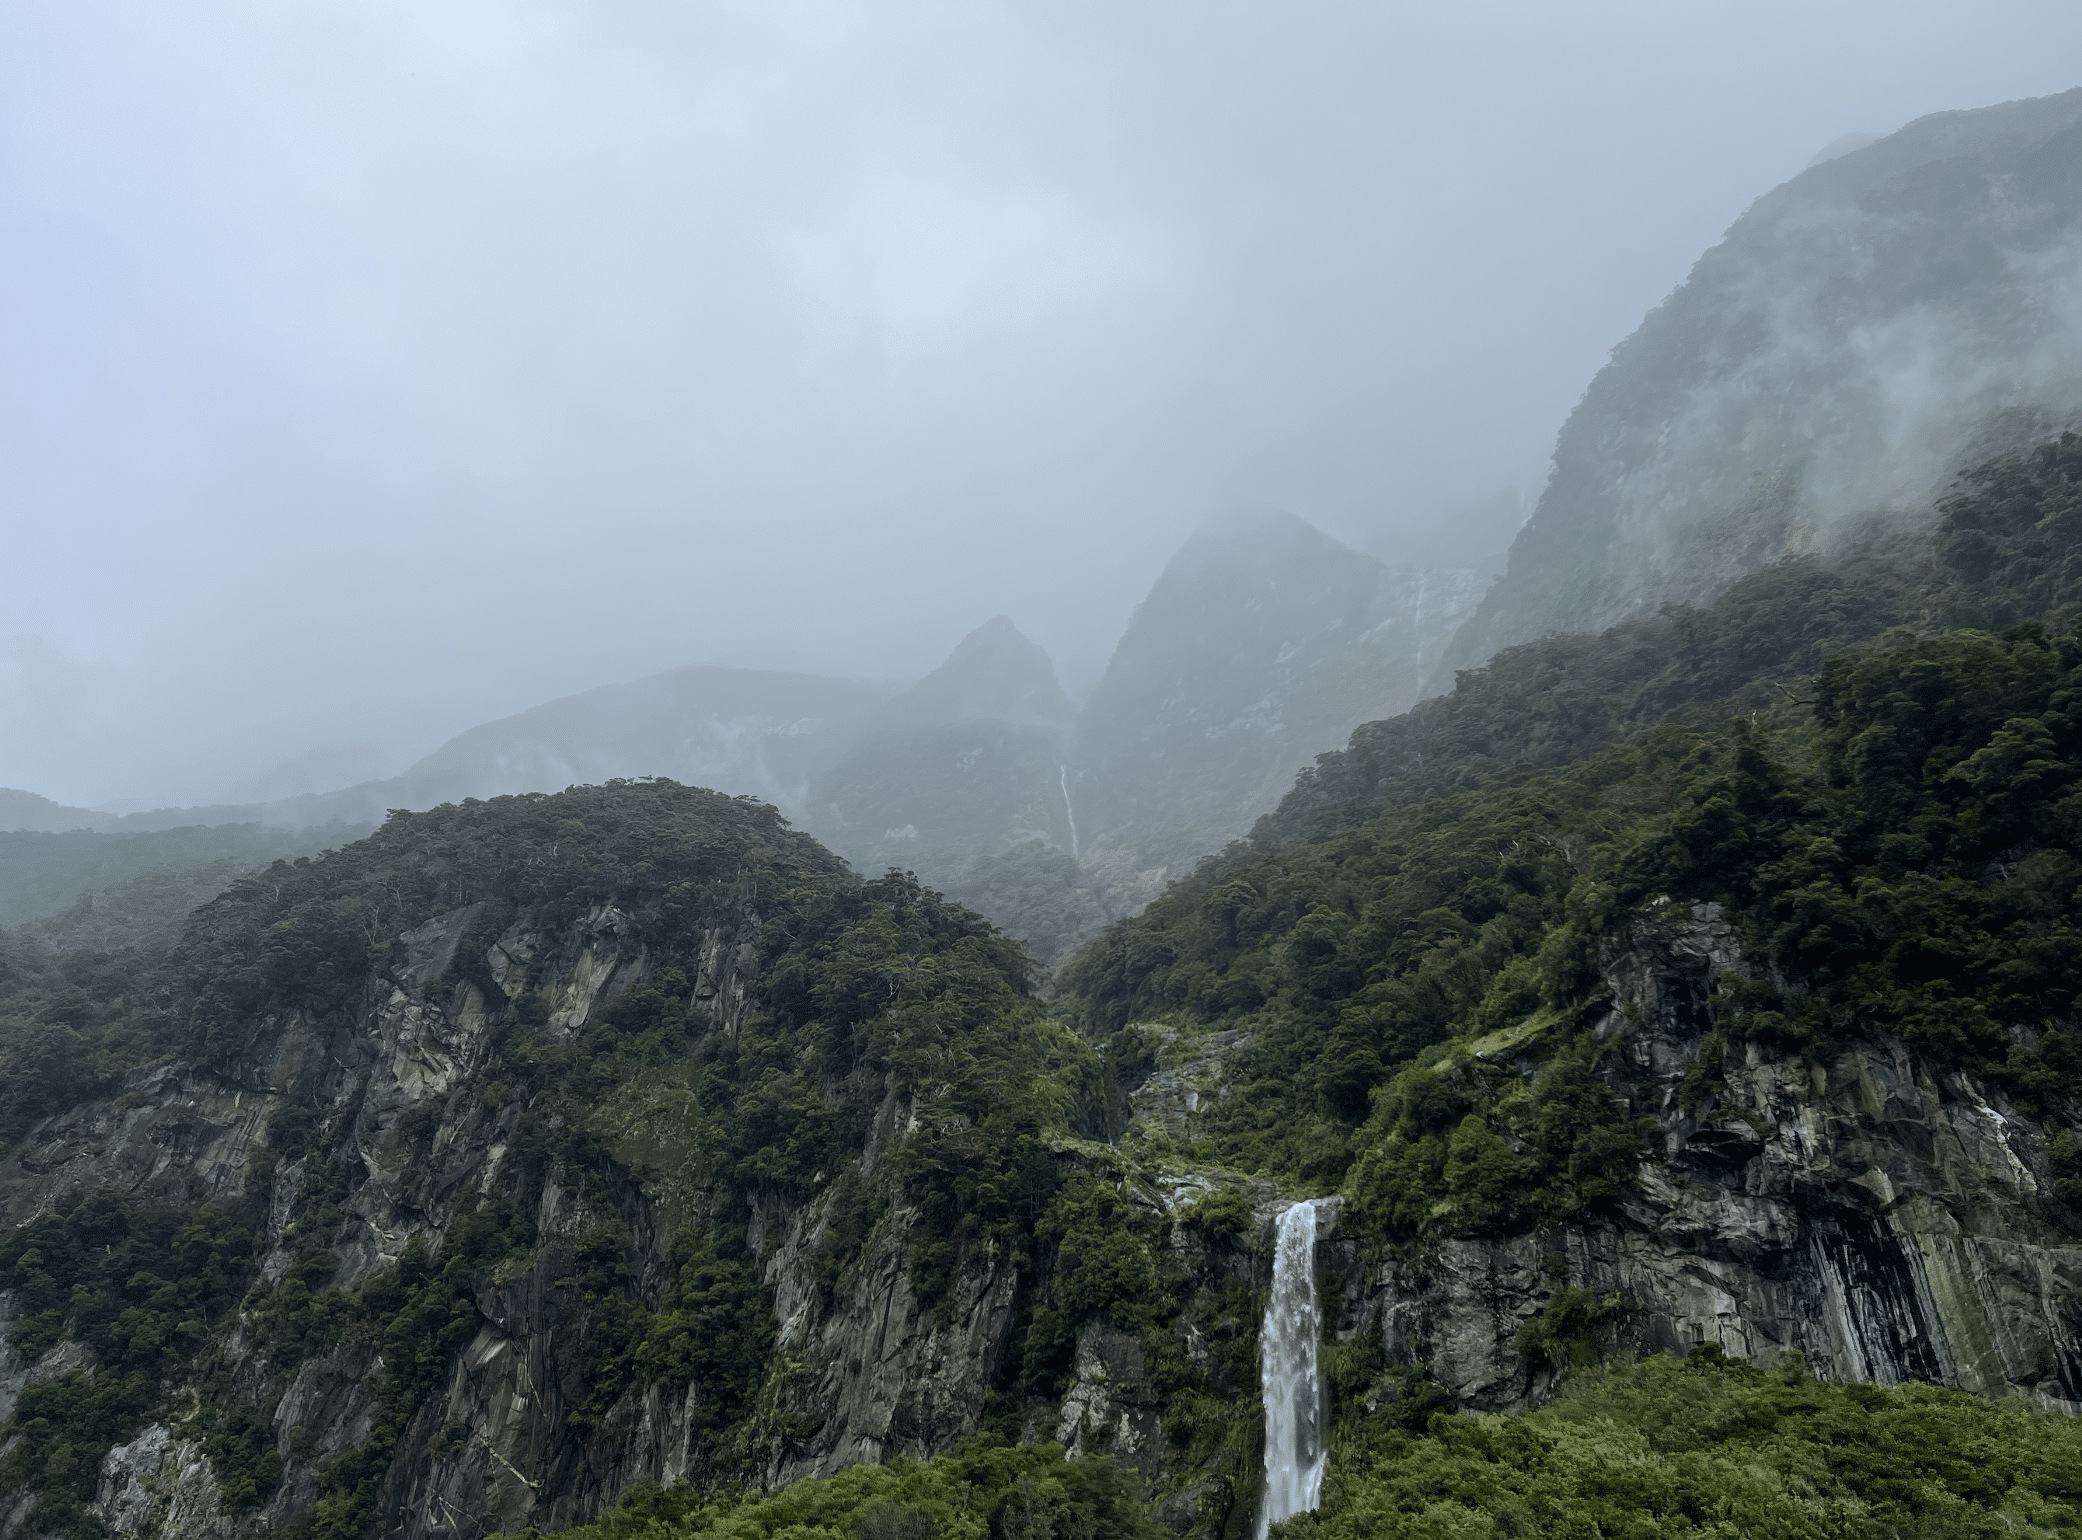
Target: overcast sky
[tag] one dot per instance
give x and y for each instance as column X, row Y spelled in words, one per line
column 371, row 370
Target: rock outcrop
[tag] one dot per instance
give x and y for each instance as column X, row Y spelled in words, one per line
column 1263, row 644
column 1861, row 333
column 1886, row 1223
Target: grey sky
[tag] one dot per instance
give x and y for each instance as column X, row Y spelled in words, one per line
column 369, row 370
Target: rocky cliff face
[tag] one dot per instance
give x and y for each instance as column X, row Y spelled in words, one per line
column 409, row 1097
column 445, row 1240
column 530, row 1223
column 1860, row 333
column 1263, row 644
column 413, row 1152
column 1888, row 1224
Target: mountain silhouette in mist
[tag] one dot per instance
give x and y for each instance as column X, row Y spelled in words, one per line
column 1263, row 644
column 970, row 759
column 1888, row 316
column 1865, row 331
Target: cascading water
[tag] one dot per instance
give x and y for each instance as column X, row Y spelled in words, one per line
column 1293, row 1382
column 1069, row 811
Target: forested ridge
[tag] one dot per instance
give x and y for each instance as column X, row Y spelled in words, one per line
column 1869, row 768
column 1892, row 825
column 866, row 988
column 1659, row 1448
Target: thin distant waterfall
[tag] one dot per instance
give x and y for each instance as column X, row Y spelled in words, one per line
column 1069, row 812
column 1293, row 1383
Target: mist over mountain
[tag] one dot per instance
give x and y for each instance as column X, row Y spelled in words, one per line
column 1895, row 311
column 757, row 732
column 1864, row 331
column 1631, row 1086
column 619, row 1157
column 1262, row 645
column 86, row 887
column 968, row 761
column 27, row 812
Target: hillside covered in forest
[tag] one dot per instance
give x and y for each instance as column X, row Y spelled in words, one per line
column 1705, row 987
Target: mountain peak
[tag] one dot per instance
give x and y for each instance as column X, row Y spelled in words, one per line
column 1257, row 524
column 1864, row 331
column 995, row 673
column 25, row 810
column 1247, row 581
column 1263, row 643
column 1248, row 536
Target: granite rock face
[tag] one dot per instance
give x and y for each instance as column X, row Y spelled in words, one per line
column 1887, row 1223
column 495, row 1448
column 1883, row 320
column 866, row 1371
column 1884, row 1222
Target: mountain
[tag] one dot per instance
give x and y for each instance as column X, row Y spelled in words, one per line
column 27, row 812
column 1861, row 334
column 1707, row 982
column 965, row 780
column 752, row 732
column 473, row 1163
column 531, row 1154
column 1637, row 1089
column 967, row 762
column 1902, row 309
column 748, row 732
column 144, row 882
column 1263, row 644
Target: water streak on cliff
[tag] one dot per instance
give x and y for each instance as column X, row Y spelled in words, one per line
column 1294, row 1443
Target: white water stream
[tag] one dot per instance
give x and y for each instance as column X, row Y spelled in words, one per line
column 1293, row 1381
column 1069, row 812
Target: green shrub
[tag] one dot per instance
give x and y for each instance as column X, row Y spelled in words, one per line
column 1676, row 1448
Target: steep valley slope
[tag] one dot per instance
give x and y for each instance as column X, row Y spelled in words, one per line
column 981, row 777
column 1861, row 334
column 1708, row 984
column 1864, row 332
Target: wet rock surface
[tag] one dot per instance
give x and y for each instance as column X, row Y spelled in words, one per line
column 1886, row 1223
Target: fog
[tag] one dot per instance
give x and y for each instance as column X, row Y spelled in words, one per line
column 368, row 371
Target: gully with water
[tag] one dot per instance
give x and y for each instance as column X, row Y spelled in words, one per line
column 1294, row 1443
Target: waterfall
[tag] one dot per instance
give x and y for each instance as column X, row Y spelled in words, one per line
column 1293, row 1384
column 1069, row 812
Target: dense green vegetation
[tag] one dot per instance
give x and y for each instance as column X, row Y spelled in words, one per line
column 867, row 990
column 143, row 1291
column 1896, row 846
column 1707, row 1446
column 94, row 915
column 110, row 890
column 1663, row 1447
column 1873, row 768
column 70, row 1028
column 984, row 1488
column 2004, row 549
column 418, row 1312
column 1908, row 863
column 1034, row 891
